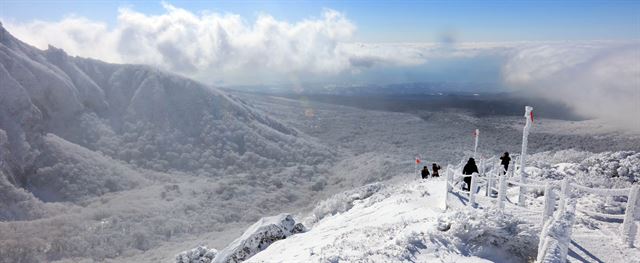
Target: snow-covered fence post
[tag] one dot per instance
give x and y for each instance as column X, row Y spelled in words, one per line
column 449, row 179
column 502, row 191
column 565, row 192
column 415, row 167
column 528, row 115
column 511, row 171
column 549, row 203
column 487, row 187
column 490, row 180
column 629, row 227
column 555, row 236
column 475, row 148
column 472, row 190
column 450, row 183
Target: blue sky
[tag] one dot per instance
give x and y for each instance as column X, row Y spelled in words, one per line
column 397, row 21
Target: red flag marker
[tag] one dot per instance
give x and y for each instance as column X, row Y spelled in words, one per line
column 417, row 161
column 531, row 115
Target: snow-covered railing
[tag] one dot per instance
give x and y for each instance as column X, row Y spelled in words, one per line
column 602, row 191
column 553, row 190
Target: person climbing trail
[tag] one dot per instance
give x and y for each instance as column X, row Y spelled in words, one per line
column 425, row 173
column 435, row 168
column 469, row 169
column 504, row 161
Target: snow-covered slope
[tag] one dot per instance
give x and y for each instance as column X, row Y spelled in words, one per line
column 134, row 114
column 104, row 161
column 408, row 222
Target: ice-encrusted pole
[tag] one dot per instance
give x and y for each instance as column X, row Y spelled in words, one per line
column 555, row 237
column 475, row 148
column 549, row 203
column 449, row 176
column 525, row 134
column 565, row 192
column 415, row 167
column 502, row 191
column 489, row 183
column 629, row 227
column 472, row 190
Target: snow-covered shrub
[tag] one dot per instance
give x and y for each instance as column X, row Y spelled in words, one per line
column 200, row 254
column 602, row 170
column 341, row 202
column 474, row 232
column 16, row 203
column 258, row 237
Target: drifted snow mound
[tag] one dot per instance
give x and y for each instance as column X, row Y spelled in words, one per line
column 259, row 236
column 200, row 254
column 488, row 234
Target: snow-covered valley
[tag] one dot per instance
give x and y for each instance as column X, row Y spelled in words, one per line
column 103, row 162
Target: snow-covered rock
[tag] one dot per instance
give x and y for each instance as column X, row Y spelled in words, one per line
column 258, row 237
column 200, row 254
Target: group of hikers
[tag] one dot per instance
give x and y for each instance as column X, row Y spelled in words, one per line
column 435, row 168
column 468, row 169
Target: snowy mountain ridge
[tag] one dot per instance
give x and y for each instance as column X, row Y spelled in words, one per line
column 106, row 151
column 134, row 114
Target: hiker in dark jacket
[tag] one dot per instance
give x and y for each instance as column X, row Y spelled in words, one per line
column 435, row 168
column 425, row 173
column 504, row 160
column 469, row 169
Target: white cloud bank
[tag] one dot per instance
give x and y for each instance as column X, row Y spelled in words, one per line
column 598, row 79
column 211, row 46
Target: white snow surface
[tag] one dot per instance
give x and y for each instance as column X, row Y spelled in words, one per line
column 407, row 223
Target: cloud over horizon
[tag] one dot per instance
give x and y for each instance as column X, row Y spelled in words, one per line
column 596, row 78
column 212, row 47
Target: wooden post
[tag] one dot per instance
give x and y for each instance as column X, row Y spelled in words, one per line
column 629, row 227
